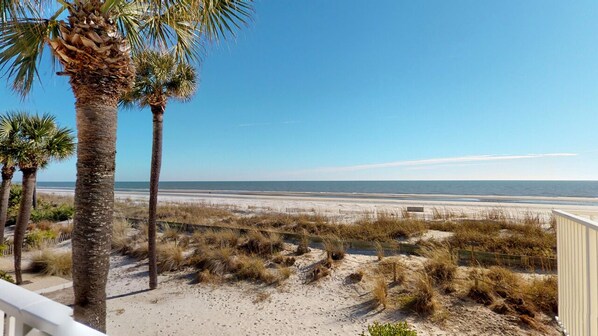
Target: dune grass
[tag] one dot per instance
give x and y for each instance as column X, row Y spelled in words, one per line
column 58, row 263
column 170, row 257
column 380, row 291
column 422, row 299
column 440, row 266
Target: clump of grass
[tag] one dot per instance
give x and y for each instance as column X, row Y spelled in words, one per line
column 171, row 234
column 543, row 293
column 142, row 231
column 121, row 242
column 334, row 247
column 283, row 273
column 505, row 281
column 252, row 268
column 440, row 266
column 503, row 237
column 259, row 244
column 380, row 292
column 222, row 238
column 217, row 261
column 303, row 246
column 390, row 329
column 386, row 227
column 422, row 299
column 198, row 213
column 49, row 262
column 170, row 258
column 205, row 276
column 479, row 290
column 140, row 251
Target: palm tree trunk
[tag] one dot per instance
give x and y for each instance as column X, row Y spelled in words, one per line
column 158, row 116
column 94, row 202
column 7, row 173
column 23, row 218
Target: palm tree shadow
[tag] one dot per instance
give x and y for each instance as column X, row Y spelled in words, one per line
column 128, row 294
column 365, row 309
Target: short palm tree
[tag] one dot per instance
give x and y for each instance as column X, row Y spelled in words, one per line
column 159, row 78
column 94, row 40
column 39, row 141
column 10, row 124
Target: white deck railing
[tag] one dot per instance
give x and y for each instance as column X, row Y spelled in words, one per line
column 577, row 253
column 23, row 312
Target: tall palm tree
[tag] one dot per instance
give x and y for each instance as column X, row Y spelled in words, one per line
column 159, row 77
column 10, row 124
column 40, row 141
column 93, row 40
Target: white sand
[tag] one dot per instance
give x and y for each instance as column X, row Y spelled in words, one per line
column 332, row 306
column 347, row 209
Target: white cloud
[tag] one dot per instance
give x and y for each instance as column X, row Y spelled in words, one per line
column 435, row 162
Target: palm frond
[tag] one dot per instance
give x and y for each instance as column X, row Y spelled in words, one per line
column 40, row 140
column 16, row 9
column 219, row 19
column 22, row 43
column 160, row 76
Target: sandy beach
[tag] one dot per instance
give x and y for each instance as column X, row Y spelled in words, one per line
column 345, row 207
column 332, row 306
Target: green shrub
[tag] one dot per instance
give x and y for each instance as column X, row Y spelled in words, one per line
column 6, row 277
column 52, row 212
column 390, row 329
column 35, row 238
column 15, row 195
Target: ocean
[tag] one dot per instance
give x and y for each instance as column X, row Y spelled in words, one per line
column 587, row 189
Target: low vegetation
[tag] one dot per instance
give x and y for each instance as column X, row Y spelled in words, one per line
column 380, row 292
column 250, row 248
column 422, row 299
column 440, row 266
column 49, row 207
column 389, row 329
column 58, row 263
column 6, row 277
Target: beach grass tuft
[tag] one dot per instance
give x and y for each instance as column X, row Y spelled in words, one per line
column 48, row 262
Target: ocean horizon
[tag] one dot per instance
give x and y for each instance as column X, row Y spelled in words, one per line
column 587, row 189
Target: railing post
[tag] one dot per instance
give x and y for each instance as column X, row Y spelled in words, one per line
column 588, row 284
column 577, row 251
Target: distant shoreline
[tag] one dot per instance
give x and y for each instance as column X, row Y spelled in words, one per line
column 565, row 192
column 449, row 198
column 347, row 209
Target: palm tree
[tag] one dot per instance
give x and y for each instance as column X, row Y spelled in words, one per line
column 10, row 124
column 39, row 141
column 94, row 40
column 159, row 77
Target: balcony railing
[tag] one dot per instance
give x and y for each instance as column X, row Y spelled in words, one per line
column 577, row 253
column 23, row 312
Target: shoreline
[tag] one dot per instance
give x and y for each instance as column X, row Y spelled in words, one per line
column 347, row 208
column 471, row 198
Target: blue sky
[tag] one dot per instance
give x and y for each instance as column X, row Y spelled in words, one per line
column 342, row 90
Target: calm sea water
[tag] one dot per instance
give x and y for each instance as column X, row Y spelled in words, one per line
column 497, row 188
